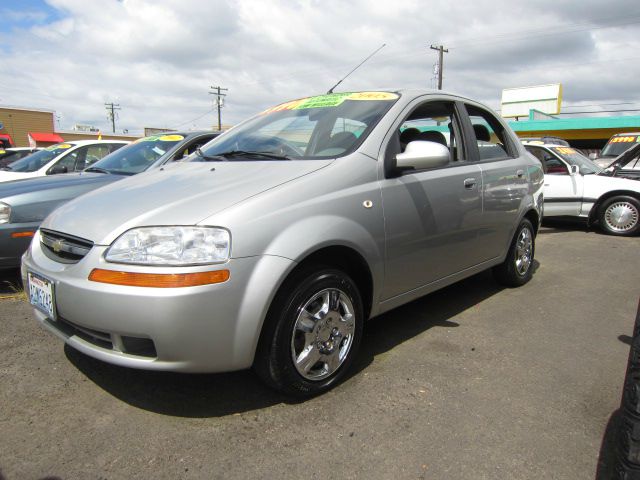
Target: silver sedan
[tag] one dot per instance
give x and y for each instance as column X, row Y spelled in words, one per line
column 273, row 245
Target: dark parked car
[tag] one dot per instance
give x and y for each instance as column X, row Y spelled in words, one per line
column 617, row 145
column 10, row 155
column 25, row 203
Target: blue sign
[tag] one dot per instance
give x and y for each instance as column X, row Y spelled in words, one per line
column 1, row 125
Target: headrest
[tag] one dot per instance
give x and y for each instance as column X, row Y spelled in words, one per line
column 433, row 136
column 482, row 133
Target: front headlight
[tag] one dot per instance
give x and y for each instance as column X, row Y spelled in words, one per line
column 5, row 213
column 171, row 246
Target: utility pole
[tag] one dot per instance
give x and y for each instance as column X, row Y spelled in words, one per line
column 219, row 101
column 441, row 52
column 111, row 113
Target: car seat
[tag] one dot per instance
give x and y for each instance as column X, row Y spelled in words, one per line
column 408, row 135
column 343, row 140
column 433, row 136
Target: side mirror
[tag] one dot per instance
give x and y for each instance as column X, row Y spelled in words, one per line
column 421, row 154
column 57, row 169
column 592, row 156
column 574, row 170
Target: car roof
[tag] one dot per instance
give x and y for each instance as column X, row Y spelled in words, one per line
column 89, row 142
column 540, row 143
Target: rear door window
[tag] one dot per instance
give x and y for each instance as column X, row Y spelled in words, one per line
column 490, row 136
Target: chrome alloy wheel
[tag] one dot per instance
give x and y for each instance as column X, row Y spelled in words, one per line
column 621, row 216
column 524, row 251
column 323, row 334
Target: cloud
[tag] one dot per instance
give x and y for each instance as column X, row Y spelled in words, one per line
column 158, row 58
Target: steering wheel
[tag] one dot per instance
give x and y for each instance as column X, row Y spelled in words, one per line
column 277, row 145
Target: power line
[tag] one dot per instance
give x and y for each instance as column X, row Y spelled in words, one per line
column 601, row 111
column 600, row 104
column 197, row 118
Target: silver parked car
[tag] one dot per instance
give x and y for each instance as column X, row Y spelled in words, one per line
column 276, row 241
column 25, row 203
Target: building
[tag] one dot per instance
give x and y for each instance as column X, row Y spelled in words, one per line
column 585, row 133
column 24, row 127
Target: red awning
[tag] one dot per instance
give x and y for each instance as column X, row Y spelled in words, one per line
column 46, row 137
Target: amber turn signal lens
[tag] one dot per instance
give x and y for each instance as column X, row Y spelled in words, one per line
column 22, row 234
column 158, row 280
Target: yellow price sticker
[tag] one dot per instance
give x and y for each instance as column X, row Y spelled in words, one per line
column 565, row 150
column 171, row 138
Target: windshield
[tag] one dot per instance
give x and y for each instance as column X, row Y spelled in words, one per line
column 37, row 160
column 10, row 156
column 326, row 126
column 573, row 157
column 138, row 156
column 618, row 145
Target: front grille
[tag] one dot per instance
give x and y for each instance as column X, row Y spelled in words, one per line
column 64, row 248
column 142, row 347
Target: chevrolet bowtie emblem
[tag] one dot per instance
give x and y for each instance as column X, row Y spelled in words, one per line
column 57, row 246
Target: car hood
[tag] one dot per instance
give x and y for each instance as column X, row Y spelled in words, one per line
column 40, row 184
column 603, row 183
column 7, row 176
column 177, row 194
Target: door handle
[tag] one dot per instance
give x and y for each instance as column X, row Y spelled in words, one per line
column 469, row 183
column 520, row 173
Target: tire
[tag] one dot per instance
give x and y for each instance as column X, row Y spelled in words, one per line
column 628, row 440
column 312, row 332
column 517, row 269
column 620, row 216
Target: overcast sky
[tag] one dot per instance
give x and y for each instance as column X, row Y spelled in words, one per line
column 158, row 58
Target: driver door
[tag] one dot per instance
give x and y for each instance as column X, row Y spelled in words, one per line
column 562, row 191
column 432, row 216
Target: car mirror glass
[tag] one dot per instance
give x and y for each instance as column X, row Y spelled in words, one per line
column 56, row 169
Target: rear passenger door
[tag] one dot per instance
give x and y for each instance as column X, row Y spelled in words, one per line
column 432, row 216
column 504, row 179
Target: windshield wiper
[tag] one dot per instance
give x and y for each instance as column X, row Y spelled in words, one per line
column 224, row 156
column 247, row 153
column 96, row 169
column 210, row 158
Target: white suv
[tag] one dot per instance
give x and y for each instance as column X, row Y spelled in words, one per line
column 63, row 157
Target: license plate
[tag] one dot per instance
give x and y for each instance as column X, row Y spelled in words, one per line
column 41, row 294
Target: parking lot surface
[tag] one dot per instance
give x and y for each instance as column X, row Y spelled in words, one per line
column 474, row 381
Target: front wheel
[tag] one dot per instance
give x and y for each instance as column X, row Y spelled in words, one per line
column 517, row 269
column 620, row 216
column 312, row 333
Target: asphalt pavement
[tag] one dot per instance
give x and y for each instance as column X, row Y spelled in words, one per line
column 472, row 382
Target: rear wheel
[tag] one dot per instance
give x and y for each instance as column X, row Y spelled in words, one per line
column 312, row 333
column 517, row 269
column 620, row 216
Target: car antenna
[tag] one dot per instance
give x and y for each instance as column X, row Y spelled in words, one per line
column 358, row 66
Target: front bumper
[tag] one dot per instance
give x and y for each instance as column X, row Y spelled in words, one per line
column 210, row 328
column 12, row 248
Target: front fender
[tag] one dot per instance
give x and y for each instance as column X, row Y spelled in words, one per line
column 306, row 236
